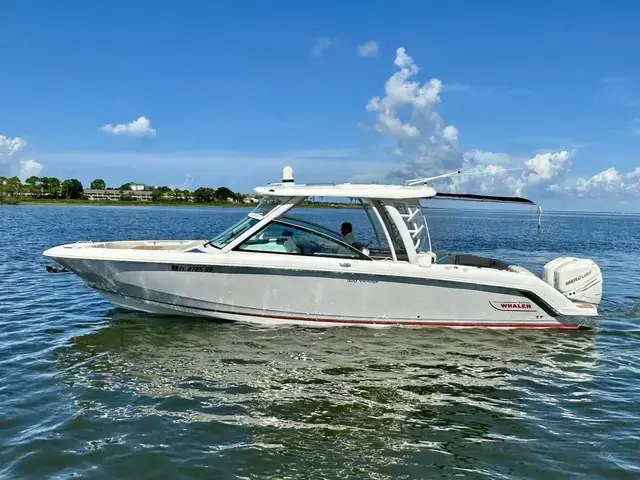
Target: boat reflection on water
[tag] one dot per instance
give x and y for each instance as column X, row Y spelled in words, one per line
column 377, row 387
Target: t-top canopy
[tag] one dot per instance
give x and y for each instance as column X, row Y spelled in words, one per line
column 347, row 190
column 414, row 190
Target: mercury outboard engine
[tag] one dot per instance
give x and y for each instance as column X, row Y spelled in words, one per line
column 579, row 279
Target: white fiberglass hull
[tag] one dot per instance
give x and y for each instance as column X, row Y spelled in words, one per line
column 277, row 289
column 148, row 306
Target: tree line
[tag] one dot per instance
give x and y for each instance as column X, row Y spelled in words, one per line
column 41, row 187
column 72, row 189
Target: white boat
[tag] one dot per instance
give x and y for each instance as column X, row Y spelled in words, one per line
column 273, row 267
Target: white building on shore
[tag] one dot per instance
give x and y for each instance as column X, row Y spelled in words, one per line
column 100, row 195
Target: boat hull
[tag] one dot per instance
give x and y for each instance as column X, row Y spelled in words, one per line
column 273, row 295
column 152, row 307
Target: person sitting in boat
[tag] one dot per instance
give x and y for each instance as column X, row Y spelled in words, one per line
column 346, row 229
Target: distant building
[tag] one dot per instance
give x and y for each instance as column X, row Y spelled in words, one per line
column 141, row 196
column 95, row 195
column 99, row 195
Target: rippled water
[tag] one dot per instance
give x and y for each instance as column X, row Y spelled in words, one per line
column 99, row 392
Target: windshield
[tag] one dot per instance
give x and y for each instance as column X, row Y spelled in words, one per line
column 232, row 232
column 265, row 206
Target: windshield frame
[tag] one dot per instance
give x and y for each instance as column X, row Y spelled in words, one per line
column 256, row 219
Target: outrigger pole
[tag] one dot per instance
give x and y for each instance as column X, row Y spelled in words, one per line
column 457, row 173
column 470, row 196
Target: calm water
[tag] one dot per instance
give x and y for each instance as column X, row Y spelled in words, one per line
column 93, row 391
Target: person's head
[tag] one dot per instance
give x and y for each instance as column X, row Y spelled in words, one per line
column 346, row 228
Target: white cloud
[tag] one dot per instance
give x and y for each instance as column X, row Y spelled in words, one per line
column 490, row 173
column 406, row 114
column 369, row 49
column 427, row 146
column 10, row 146
column 498, row 173
column 321, row 45
column 29, row 168
column 450, row 133
column 544, row 173
column 635, row 175
column 138, row 128
column 491, row 179
column 545, row 166
column 609, row 182
column 10, row 163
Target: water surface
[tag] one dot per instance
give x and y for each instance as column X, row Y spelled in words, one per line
column 94, row 391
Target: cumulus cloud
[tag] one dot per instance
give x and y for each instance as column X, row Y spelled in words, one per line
column 490, row 179
column 29, row 168
column 546, row 166
column 609, row 182
column 450, row 133
column 10, row 146
column 369, row 49
column 321, row 45
column 11, row 165
column 406, row 113
column 425, row 145
column 138, row 128
column 493, row 173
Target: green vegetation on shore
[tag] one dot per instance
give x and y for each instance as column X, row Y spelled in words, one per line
column 51, row 191
column 125, row 203
column 116, row 203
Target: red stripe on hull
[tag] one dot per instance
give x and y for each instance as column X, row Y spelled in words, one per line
column 413, row 323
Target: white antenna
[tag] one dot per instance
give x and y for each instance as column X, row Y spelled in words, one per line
column 422, row 181
column 287, row 174
column 418, row 181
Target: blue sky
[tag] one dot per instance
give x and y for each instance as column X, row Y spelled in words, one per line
column 234, row 91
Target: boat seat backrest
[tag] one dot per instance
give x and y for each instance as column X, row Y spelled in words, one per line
column 518, row 269
column 464, row 259
column 284, row 244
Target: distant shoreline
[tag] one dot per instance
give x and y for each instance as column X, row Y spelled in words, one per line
column 118, row 203
column 110, row 203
